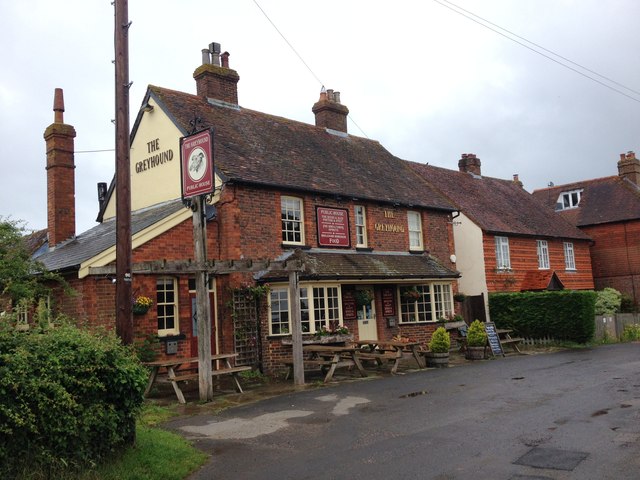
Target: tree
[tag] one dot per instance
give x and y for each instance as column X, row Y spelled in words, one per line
column 21, row 277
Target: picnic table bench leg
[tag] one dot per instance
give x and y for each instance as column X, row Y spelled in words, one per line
column 358, row 364
column 334, row 363
column 416, row 355
column 176, row 387
column 396, row 363
column 152, row 379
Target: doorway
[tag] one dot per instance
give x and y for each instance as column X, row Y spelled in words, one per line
column 367, row 328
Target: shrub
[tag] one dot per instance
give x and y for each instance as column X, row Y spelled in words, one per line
column 476, row 334
column 440, row 341
column 608, row 301
column 68, row 399
column 631, row 333
column 628, row 304
column 566, row 315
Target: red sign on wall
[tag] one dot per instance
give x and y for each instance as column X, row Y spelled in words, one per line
column 333, row 227
column 388, row 302
column 196, row 164
column 349, row 307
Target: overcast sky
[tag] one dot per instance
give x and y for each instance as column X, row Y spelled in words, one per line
column 423, row 80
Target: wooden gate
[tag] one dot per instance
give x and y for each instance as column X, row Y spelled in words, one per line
column 246, row 332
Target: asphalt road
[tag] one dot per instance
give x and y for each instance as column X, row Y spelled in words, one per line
column 566, row 415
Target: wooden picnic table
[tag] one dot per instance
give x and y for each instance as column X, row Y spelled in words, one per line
column 388, row 350
column 328, row 358
column 504, row 334
column 189, row 371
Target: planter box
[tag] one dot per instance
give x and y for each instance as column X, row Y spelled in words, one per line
column 324, row 340
column 475, row 353
column 437, row 360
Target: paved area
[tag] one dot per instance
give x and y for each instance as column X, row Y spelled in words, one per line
column 566, row 415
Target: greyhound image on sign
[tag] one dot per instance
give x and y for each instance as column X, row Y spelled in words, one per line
column 196, row 164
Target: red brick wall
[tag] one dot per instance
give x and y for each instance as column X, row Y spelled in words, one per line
column 615, row 255
column 524, row 257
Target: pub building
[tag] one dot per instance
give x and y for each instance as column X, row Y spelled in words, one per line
column 372, row 241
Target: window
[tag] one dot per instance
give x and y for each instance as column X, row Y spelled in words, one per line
column 167, row 306
column 292, row 220
column 569, row 259
column 361, row 226
column 425, row 303
column 543, row 255
column 568, row 200
column 415, row 231
column 322, row 309
column 503, row 262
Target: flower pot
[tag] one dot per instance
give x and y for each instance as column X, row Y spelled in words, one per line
column 475, row 353
column 139, row 309
column 437, row 360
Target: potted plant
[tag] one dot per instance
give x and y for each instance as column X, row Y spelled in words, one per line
column 476, row 341
column 411, row 293
column 438, row 354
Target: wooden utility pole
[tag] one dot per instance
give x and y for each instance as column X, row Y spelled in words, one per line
column 296, row 328
column 124, row 320
column 203, row 309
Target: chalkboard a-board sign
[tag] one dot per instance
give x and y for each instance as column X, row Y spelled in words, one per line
column 494, row 339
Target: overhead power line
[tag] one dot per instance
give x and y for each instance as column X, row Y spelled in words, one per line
column 488, row 25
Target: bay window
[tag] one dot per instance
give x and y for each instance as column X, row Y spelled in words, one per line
column 425, row 303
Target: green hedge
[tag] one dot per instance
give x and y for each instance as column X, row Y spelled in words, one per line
column 68, row 399
column 564, row 315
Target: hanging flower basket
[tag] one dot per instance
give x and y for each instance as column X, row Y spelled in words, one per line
column 411, row 294
column 141, row 305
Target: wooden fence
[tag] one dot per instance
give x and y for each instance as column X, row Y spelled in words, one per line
column 612, row 326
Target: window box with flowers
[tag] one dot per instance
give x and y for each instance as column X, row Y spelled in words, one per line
column 141, row 305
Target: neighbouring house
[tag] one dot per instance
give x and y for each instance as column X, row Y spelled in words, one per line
column 505, row 239
column 608, row 210
column 371, row 238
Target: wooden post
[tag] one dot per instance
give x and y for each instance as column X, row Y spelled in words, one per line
column 296, row 329
column 124, row 320
column 203, row 308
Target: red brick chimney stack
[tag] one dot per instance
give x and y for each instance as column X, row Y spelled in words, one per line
column 215, row 81
column 61, row 202
column 329, row 112
column 629, row 167
column 469, row 163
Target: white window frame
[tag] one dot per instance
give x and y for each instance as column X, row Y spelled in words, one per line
column 360, row 216
column 503, row 259
column 569, row 256
column 292, row 220
column 167, row 310
column 542, row 248
column 569, row 200
column 414, row 223
column 316, row 312
column 435, row 302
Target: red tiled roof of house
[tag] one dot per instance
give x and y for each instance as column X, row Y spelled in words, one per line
column 497, row 206
column 257, row 148
column 537, row 280
column 603, row 200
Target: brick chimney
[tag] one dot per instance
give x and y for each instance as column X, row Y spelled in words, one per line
column 629, row 167
column 469, row 163
column 214, row 79
column 517, row 181
column 61, row 202
column 329, row 112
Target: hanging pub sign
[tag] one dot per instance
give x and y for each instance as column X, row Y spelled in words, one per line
column 333, row 227
column 196, row 164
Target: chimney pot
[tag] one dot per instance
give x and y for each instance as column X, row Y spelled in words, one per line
column 225, row 59
column 206, row 56
column 336, row 97
column 58, row 106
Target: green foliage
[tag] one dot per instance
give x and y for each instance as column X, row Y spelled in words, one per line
column 440, row 341
column 20, row 276
column 566, row 315
column 628, row 305
column 608, row 301
column 146, row 348
column 631, row 333
column 68, row 399
column 476, row 334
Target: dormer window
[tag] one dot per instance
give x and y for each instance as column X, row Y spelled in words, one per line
column 568, row 200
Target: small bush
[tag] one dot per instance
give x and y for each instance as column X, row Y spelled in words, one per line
column 608, row 301
column 68, row 399
column 440, row 341
column 631, row 333
column 476, row 334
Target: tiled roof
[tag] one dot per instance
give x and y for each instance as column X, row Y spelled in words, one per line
column 603, row 200
column 498, row 206
column 253, row 147
column 340, row 265
column 537, row 280
column 70, row 254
